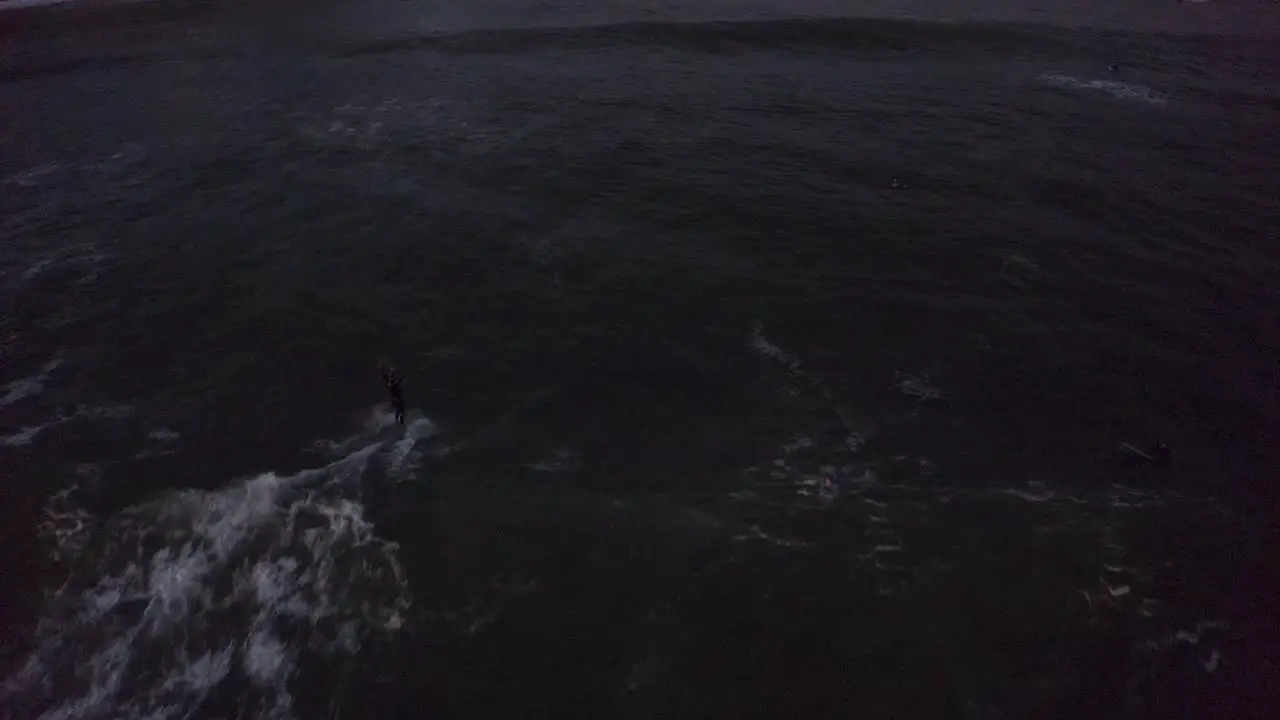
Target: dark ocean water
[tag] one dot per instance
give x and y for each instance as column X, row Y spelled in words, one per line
column 755, row 370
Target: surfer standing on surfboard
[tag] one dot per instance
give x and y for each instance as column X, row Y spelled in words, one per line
column 392, row 379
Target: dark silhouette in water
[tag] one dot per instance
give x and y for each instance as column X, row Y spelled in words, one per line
column 392, row 379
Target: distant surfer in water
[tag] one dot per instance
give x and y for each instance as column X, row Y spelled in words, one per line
column 392, row 379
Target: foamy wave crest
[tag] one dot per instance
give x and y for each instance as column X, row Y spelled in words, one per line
column 174, row 606
column 1124, row 91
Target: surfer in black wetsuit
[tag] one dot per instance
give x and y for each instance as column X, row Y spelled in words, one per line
column 392, row 379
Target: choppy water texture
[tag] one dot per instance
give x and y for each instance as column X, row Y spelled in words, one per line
column 770, row 369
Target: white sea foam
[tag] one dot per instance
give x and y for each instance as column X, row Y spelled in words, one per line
column 81, row 265
column 1124, row 91
column 167, row 601
column 825, row 473
column 1118, row 591
column 796, row 465
column 28, row 434
column 762, row 345
column 403, row 457
column 35, row 269
column 1038, row 492
column 754, row 532
column 64, row 527
column 25, row 436
column 561, row 460
column 452, row 123
column 163, row 435
column 919, row 387
column 24, row 388
column 1044, row 496
column 799, row 442
column 100, row 412
column 33, row 175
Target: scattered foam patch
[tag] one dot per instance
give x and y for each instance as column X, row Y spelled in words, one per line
column 346, row 126
column 25, row 436
column 1019, row 270
column 28, row 435
column 199, row 592
column 838, row 439
column 32, row 176
column 484, row 606
column 799, row 442
column 163, row 435
column 761, row 344
column 128, row 155
column 35, row 269
column 893, row 534
column 453, row 124
column 1031, row 497
column 64, row 527
column 854, row 442
column 755, row 533
column 897, row 532
column 24, row 388
column 101, row 412
column 78, row 265
column 1201, row 642
column 1124, row 91
column 918, row 387
column 562, row 460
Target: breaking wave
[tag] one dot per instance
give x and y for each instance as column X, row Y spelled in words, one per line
column 198, row 595
column 1121, row 90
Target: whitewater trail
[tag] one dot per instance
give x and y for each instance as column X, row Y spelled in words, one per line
column 170, row 601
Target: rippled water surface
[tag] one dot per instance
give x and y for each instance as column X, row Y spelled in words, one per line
column 770, row 369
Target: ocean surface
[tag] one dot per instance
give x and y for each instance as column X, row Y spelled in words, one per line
column 767, row 369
